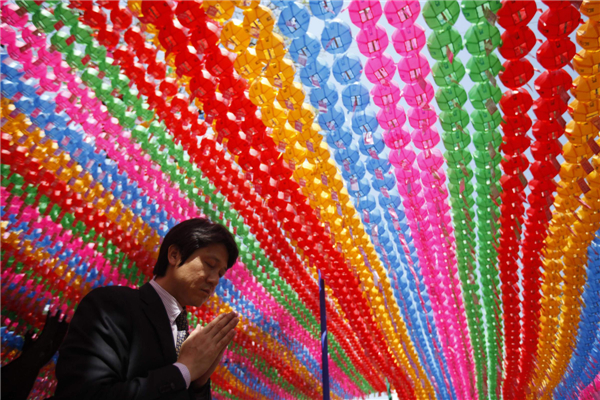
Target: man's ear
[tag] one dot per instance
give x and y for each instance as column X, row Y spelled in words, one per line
column 174, row 255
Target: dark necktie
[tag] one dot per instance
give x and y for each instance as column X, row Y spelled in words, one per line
column 182, row 330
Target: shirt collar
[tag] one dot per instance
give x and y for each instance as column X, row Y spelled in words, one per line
column 171, row 304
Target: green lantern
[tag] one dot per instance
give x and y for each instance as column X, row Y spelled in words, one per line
column 482, row 92
column 65, row 15
column 481, row 140
column 451, row 97
column 455, row 175
column 442, row 43
column 456, row 159
column 43, row 19
column 478, row 10
column 456, row 140
column 454, row 120
column 82, row 33
column 445, row 72
column 482, row 38
column 482, row 120
column 480, row 68
column 441, row 14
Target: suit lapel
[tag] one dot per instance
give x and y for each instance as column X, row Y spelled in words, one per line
column 157, row 314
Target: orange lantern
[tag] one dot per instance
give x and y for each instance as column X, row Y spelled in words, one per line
column 259, row 21
column 235, row 36
column 291, row 96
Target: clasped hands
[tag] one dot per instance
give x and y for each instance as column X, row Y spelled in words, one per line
column 202, row 350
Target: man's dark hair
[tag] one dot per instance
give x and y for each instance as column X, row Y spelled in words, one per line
column 192, row 235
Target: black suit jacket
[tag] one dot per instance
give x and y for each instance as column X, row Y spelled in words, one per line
column 120, row 347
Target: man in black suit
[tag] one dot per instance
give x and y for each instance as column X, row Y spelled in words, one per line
column 127, row 344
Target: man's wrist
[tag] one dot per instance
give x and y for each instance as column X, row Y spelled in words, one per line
column 185, row 372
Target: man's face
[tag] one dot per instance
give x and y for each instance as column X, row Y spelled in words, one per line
column 195, row 281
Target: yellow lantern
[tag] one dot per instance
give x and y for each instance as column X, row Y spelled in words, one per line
column 579, row 133
column 284, row 136
column 303, row 174
column 291, row 96
column 301, row 118
column 273, row 115
column 591, row 9
column 247, row 4
column 235, row 36
column 248, row 65
column 270, row 48
column 311, row 137
column 259, row 21
column 295, row 155
column 585, row 87
column 219, row 10
column 261, row 92
column 582, row 111
column 319, row 155
column 575, row 153
column 588, row 34
column 586, row 62
column 280, row 72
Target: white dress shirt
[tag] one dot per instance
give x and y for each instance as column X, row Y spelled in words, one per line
column 173, row 310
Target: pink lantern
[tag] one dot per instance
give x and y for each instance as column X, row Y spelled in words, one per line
column 430, row 160
column 396, row 138
column 402, row 14
column 420, row 118
column 410, row 189
column 402, row 157
column 391, row 117
column 372, row 41
column 425, row 139
column 365, row 13
column 409, row 41
column 386, row 95
column 413, row 69
column 409, row 174
column 380, row 69
column 419, row 94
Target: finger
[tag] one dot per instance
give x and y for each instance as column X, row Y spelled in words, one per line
column 219, row 323
column 224, row 342
column 226, row 329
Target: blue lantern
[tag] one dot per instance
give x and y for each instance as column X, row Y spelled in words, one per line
column 324, row 98
column 339, row 139
column 333, row 119
column 355, row 97
column 364, row 122
column 360, row 188
column 305, row 49
column 371, row 145
column 387, row 184
column 326, row 9
column 356, row 171
column 315, row 74
column 347, row 157
column 294, row 20
column 378, row 167
column 347, row 69
column 336, row 37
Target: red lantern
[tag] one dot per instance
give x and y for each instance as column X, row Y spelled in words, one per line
column 172, row 37
column 202, row 85
column 205, row 37
column 517, row 43
column 550, row 108
column 516, row 74
column 516, row 102
column 552, row 83
column 94, row 17
column 556, row 54
column 158, row 13
column 558, row 23
column 108, row 38
column 242, row 107
column 158, row 70
column 516, row 144
column 120, row 17
column 542, row 150
column 515, row 14
column 187, row 61
column 232, row 85
column 220, row 62
column 190, row 14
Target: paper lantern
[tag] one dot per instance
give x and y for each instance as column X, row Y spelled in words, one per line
column 326, row 10
column 556, row 54
column 558, row 23
column 364, row 122
column 235, row 36
column 324, row 97
column 291, row 96
column 219, row 10
column 364, row 13
column 355, row 97
column 413, row 69
column 391, row 117
column 516, row 14
column 409, row 41
column 396, row 138
column 220, row 62
column 517, row 43
column 380, row 69
column 446, row 72
column 445, row 44
column 248, row 65
column 315, row 74
column 294, row 20
column 481, row 68
column 305, row 49
column 333, row 119
column 347, row 69
column 259, row 21
column 475, row 11
column 588, row 34
column 516, row 73
column 336, row 37
column 261, row 92
column 440, row 15
column 340, row 139
column 417, row 95
column 482, row 38
column 270, row 47
column 386, row 95
column 372, row 41
column 401, row 13
column 280, row 72
column 516, row 102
